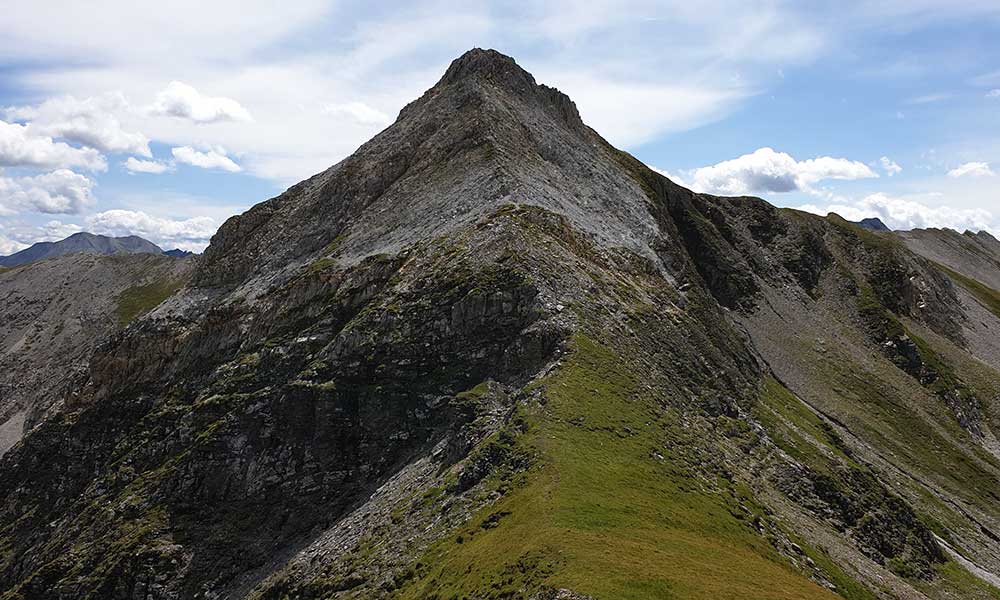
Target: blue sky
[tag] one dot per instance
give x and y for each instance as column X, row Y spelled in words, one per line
column 163, row 120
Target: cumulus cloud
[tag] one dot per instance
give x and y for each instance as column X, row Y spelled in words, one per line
column 19, row 147
column 972, row 169
column 188, row 234
column 766, row 170
column 134, row 165
column 59, row 192
column 9, row 246
column 90, row 122
column 211, row 159
column 359, row 112
column 653, row 108
column 181, row 100
column 904, row 213
column 53, row 231
column 18, row 236
column 889, row 166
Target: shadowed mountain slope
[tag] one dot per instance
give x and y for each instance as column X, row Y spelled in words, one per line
column 491, row 356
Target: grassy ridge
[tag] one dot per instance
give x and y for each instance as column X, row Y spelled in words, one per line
column 606, row 514
column 139, row 300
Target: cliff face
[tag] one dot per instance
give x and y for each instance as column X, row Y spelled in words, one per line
column 53, row 313
column 491, row 356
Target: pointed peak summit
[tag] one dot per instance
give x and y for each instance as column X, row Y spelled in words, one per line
column 488, row 64
column 479, row 66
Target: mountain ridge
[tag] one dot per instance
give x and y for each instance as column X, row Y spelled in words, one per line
column 81, row 242
column 486, row 101
column 489, row 355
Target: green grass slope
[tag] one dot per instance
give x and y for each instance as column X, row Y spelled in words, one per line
column 138, row 300
column 605, row 513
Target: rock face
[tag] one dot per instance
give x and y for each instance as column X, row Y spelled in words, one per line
column 81, row 242
column 491, row 356
column 975, row 255
column 54, row 312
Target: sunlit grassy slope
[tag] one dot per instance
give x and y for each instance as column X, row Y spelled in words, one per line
column 608, row 512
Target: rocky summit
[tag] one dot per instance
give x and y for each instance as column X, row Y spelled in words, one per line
column 491, row 356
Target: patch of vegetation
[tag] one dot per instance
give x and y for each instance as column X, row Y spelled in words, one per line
column 916, row 357
column 322, row 264
column 138, row 300
column 881, row 322
column 954, row 581
column 886, row 526
column 797, row 430
column 987, row 296
column 875, row 406
column 602, row 514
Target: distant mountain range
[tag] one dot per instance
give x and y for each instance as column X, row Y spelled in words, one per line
column 88, row 243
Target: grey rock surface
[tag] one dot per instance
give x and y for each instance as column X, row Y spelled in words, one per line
column 975, row 255
column 53, row 314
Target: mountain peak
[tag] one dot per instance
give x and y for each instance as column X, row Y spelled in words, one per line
column 81, row 241
column 488, row 64
column 484, row 135
column 501, row 72
column 872, row 224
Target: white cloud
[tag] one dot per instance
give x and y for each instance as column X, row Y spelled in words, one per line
column 188, row 234
column 181, row 100
column 19, row 148
column 904, row 213
column 134, row 165
column 972, row 169
column 931, row 98
column 136, row 32
column 890, row 166
column 61, row 191
column 629, row 113
column 993, row 93
column 359, row 112
column 89, row 122
column 9, row 246
column 54, row 231
column 212, row 159
column 766, row 170
column 671, row 176
column 18, row 236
